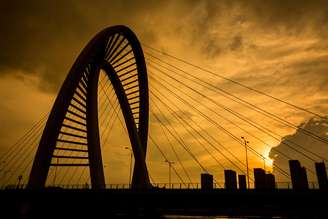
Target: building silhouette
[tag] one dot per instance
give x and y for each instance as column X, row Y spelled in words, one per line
column 298, row 175
column 259, row 178
column 270, row 181
column 242, row 181
column 230, row 179
column 321, row 175
column 206, row 181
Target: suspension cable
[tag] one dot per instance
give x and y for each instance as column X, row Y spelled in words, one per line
column 235, row 82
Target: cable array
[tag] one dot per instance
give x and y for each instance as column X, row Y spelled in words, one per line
column 193, row 126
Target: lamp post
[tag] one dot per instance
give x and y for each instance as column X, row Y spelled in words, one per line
column 246, row 142
column 170, row 163
column 131, row 154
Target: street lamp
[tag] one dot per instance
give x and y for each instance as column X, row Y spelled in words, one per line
column 131, row 154
column 246, row 142
column 170, row 163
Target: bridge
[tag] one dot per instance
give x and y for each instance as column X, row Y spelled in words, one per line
column 61, row 156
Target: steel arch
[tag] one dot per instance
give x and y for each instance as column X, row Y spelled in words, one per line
column 73, row 121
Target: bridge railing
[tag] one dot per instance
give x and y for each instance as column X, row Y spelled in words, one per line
column 279, row 185
column 12, row 186
column 288, row 185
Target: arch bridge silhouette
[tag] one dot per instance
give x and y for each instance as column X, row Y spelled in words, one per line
column 75, row 108
column 73, row 126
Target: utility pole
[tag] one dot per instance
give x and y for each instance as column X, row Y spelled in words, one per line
column 170, row 163
column 247, row 173
column 131, row 154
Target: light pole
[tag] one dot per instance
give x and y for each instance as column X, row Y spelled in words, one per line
column 131, row 153
column 246, row 142
column 170, row 163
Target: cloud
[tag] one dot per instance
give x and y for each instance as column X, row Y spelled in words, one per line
column 18, row 108
column 217, row 26
column 291, row 16
column 305, row 144
column 44, row 38
column 236, row 43
column 276, row 46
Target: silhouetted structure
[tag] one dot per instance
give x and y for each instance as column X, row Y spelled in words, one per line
column 125, row 203
column 270, row 181
column 259, row 178
column 298, row 175
column 321, row 175
column 206, row 181
column 230, row 179
column 304, row 178
column 75, row 112
column 242, row 181
column 263, row 180
column 72, row 125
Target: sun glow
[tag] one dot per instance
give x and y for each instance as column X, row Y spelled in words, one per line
column 268, row 160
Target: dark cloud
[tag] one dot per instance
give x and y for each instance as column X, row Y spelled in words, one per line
column 293, row 16
column 44, row 38
column 35, row 35
column 212, row 48
column 310, row 73
column 236, row 43
column 314, row 125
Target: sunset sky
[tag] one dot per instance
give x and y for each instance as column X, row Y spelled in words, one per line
column 278, row 47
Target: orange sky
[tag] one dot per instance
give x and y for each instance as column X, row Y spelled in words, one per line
column 278, row 47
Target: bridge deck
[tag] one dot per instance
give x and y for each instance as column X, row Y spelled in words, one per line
column 59, row 202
